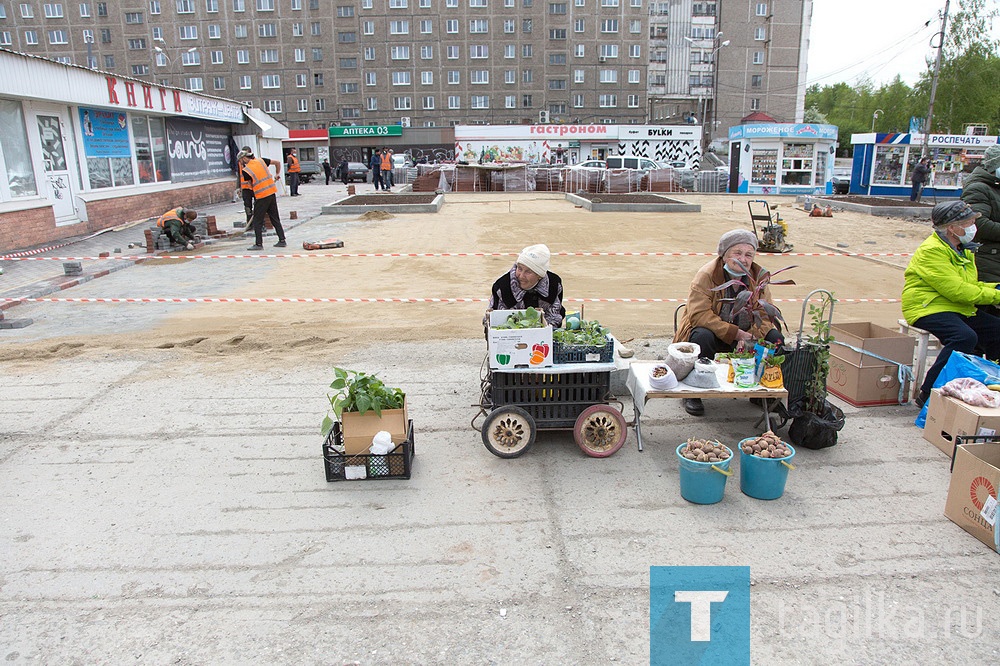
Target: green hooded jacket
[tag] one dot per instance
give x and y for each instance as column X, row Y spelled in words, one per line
column 981, row 190
column 939, row 279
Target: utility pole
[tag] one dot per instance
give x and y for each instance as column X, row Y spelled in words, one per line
column 934, row 79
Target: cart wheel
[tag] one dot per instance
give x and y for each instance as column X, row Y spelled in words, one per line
column 508, row 431
column 600, row 431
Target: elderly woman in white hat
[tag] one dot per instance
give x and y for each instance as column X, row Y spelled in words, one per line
column 530, row 283
column 704, row 322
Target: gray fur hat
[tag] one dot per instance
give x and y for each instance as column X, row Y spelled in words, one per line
column 736, row 237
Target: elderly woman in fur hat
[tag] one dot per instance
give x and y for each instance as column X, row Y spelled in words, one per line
column 530, row 283
column 703, row 321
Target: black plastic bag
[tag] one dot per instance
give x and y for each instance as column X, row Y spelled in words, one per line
column 815, row 431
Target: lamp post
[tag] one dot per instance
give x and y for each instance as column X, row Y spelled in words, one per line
column 710, row 119
column 163, row 52
column 878, row 112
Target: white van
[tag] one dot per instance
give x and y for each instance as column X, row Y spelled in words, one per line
column 621, row 162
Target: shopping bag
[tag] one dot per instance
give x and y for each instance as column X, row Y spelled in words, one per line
column 959, row 365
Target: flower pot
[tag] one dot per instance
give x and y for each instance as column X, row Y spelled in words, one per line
column 771, row 377
column 744, row 372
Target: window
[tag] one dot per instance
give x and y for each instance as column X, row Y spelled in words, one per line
column 347, row 37
column 579, row 50
column 269, row 56
column 527, row 50
column 105, row 36
column 348, row 63
column 109, row 62
column 477, row 3
column 30, row 37
column 85, row 9
column 240, row 31
column 243, row 57
column 272, row 106
column 399, row 27
column 607, row 101
column 161, row 59
column 397, row 4
column 558, row 8
column 5, row 38
column 755, row 104
column 426, row 78
column 188, row 32
column 265, row 5
column 369, row 53
column 608, row 51
column 297, row 30
column 426, row 27
column 301, row 81
column 219, row 83
column 758, row 57
column 239, row 5
column 634, row 76
column 555, row 109
column 214, row 31
column 88, row 36
column 526, row 101
column 480, row 102
column 315, row 28
column 267, row 30
column 321, row 104
column 756, row 81
column 370, row 78
column 557, row 33
column 318, row 79
column 557, row 84
column 367, row 4
column 270, row 81
column 479, row 26
column 402, row 103
column 303, row 105
column 451, row 26
column 191, row 58
column 27, row 11
column 427, row 102
column 299, row 55
column 454, row 77
column 317, row 54
column 185, row 6
column 132, row 18
column 579, row 76
column 527, row 76
column 194, row 83
column 479, row 51
column 609, row 25
column 761, row 9
column 345, row 12
column 510, row 76
column 401, row 78
column 451, row 3
column 451, row 52
column 633, row 101
column 426, row 52
column 557, row 58
column 55, row 10
column 350, row 112
column 509, row 26
column 578, row 101
column 509, row 51
column 348, row 88
column 371, row 103
column 760, row 34
column 635, row 26
column 609, row 3
column 479, row 76
column 526, row 25
column 212, row 6
column 510, row 102
column 102, row 9
column 635, row 51
column 133, row 44
column 399, row 53
column 579, row 25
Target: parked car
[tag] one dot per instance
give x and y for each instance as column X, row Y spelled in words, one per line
column 309, row 171
column 401, row 161
column 622, row 162
column 841, row 180
column 357, row 171
column 589, row 164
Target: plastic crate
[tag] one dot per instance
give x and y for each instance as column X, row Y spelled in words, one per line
column 552, row 400
column 563, row 353
column 394, row 465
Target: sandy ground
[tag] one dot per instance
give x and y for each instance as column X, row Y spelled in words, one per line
column 163, row 500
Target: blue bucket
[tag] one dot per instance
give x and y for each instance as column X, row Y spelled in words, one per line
column 703, row 482
column 764, row 478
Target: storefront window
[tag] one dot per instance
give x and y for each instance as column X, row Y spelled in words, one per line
column 797, row 164
column 158, row 139
column 15, row 156
column 889, row 165
column 143, row 150
column 765, row 166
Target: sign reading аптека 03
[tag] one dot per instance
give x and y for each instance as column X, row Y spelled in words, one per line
column 367, row 130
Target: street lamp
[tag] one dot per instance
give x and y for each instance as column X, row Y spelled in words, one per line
column 161, row 52
column 878, row 112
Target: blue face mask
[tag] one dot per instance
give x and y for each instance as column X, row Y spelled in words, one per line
column 732, row 272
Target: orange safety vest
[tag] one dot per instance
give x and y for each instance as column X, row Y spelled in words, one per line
column 261, row 179
column 244, row 183
column 386, row 162
column 293, row 164
column 174, row 214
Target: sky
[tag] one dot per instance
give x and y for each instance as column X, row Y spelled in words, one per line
column 855, row 39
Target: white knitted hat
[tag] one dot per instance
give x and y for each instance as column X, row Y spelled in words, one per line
column 536, row 258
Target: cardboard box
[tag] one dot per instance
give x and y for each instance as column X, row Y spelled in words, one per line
column 359, row 429
column 885, row 342
column 948, row 418
column 974, row 477
column 864, row 386
column 518, row 348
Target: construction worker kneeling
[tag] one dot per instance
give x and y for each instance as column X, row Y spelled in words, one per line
column 177, row 225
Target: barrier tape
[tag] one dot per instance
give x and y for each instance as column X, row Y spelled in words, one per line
column 397, row 255
column 385, row 300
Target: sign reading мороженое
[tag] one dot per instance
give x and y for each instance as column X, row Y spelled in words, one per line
column 699, row 615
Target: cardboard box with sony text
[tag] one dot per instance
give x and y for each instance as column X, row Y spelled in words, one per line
column 972, row 493
column 511, row 348
column 948, row 418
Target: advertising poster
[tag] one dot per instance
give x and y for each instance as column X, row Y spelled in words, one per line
column 105, row 133
column 197, row 151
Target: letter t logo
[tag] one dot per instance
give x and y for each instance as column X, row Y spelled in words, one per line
column 701, row 610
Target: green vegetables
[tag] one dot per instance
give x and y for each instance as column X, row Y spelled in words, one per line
column 360, row 392
column 529, row 318
column 590, row 334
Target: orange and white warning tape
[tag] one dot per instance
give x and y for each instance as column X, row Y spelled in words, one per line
column 396, row 255
column 385, row 300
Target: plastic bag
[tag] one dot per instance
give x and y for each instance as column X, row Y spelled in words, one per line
column 815, row 431
column 962, row 365
column 681, row 357
column 664, row 382
column 703, row 375
column 382, row 443
column 971, row 392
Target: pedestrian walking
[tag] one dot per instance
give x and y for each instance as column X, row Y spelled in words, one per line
column 294, row 169
column 376, row 166
column 328, row 171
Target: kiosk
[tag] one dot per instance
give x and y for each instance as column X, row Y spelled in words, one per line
column 781, row 158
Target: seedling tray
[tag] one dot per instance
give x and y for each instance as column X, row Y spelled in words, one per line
column 563, row 353
column 356, row 467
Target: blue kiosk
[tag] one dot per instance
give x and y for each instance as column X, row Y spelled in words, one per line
column 782, row 158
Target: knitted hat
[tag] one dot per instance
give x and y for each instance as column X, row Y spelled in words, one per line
column 736, row 237
column 950, row 212
column 535, row 258
column 991, row 158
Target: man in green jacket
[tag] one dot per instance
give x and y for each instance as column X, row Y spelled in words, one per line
column 942, row 292
column 981, row 190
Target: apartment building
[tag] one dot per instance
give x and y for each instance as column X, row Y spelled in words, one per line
column 313, row 63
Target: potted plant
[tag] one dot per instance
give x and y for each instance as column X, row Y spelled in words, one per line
column 364, row 405
column 815, row 421
column 749, row 308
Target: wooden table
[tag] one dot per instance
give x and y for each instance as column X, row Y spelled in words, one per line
column 642, row 392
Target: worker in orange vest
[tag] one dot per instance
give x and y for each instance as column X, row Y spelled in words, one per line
column 265, row 193
column 385, row 167
column 176, row 224
column 294, row 169
column 246, row 186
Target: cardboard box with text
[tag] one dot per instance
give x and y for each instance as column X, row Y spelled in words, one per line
column 948, row 418
column 975, row 478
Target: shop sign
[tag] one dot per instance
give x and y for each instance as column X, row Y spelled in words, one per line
column 670, row 132
column 197, row 151
column 961, row 140
column 783, row 130
column 366, row 130
column 569, row 130
column 105, row 133
column 156, row 98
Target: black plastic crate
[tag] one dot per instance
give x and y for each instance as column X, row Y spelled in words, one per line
column 563, row 353
column 552, row 400
column 394, row 465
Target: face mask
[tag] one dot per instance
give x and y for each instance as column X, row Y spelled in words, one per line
column 967, row 237
column 732, row 272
